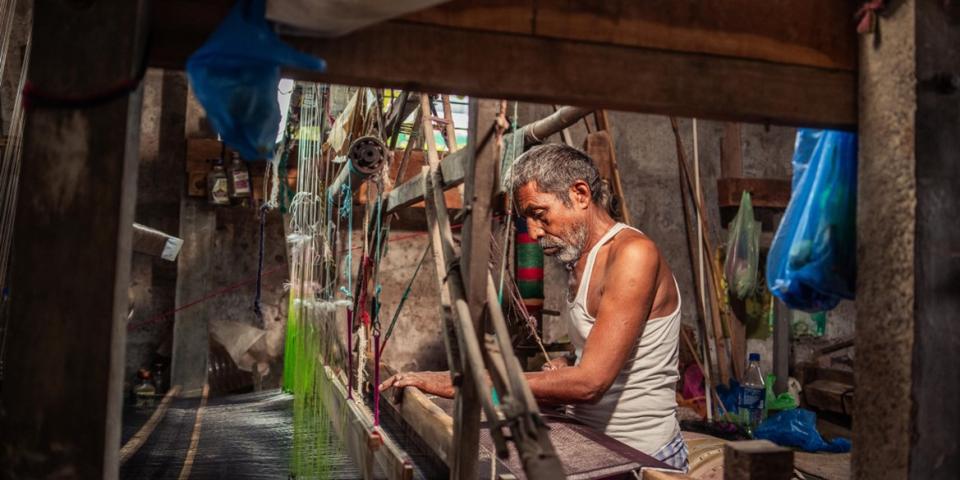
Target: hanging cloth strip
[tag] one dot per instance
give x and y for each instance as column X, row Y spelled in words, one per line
column 346, row 210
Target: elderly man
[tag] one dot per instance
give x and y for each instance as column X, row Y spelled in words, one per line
column 622, row 309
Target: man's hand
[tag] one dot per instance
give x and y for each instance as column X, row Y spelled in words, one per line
column 433, row 383
column 556, row 363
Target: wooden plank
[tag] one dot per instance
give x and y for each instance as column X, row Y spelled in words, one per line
column 731, row 151
column 764, row 192
column 474, row 257
column 72, row 246
column 731, row 165
column 815, row 33
column 649, row 474
column 452, row 169
column 829, row 395
column 757, row 460
column 417, row 56
column 599, row 146
column 466, row 426
column 424, row 417
column 364, row 443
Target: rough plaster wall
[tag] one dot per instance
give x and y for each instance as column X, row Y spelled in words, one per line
column 419, row 348
column 886, row 208
column 221, row 249
column 152, row 280
column 14, row 62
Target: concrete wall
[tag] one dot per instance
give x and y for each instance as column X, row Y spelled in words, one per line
column 153, row 280
column 220, row 250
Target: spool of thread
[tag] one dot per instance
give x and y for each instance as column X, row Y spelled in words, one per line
column 529, row 270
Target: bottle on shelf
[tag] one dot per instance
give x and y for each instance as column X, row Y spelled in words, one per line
column 752, row 395
column 217, row 184
column 239, row 178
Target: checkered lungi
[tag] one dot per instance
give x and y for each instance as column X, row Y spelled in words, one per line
column 674, row 453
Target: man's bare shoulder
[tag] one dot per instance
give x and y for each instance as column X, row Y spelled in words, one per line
column 631, row 246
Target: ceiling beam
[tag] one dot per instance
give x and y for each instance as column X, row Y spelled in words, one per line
column 495, row 64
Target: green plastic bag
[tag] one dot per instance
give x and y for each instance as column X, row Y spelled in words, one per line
column 784, row 401
column 743, row 250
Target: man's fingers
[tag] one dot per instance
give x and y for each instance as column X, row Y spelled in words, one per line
column 390, row 382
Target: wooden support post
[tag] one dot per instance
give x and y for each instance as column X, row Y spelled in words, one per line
column 61, row 401
column 908, row 383
column 781, row 346
column 466, row 425
column 731, row 165
column 757, row 460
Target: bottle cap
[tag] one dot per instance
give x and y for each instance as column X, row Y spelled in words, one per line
column 754, row 357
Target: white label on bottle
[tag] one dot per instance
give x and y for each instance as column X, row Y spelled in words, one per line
column 220, row 191
column 752, row 398
column 241, row 183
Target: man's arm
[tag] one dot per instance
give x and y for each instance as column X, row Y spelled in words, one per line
column 629, row 291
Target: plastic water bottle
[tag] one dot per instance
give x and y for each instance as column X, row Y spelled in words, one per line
column 752, row 395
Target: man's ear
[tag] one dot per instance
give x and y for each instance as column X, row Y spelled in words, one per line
column 580, row 194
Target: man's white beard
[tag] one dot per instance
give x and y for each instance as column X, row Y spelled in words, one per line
column 569, row 250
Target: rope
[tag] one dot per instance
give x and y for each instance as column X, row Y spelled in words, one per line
column 209, row 296
column 406, row 294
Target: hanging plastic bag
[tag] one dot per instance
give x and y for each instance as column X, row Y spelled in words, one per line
column 798, row 428
column 743, row 250
column 235, row 76
column 812, row 261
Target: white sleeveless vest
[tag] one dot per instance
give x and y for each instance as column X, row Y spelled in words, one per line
column 640, row 408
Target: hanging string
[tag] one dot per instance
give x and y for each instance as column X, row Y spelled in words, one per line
column 346, row 210
column 406, row 294
column 378, row 257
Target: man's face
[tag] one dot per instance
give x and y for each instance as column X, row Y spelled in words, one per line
column 560, row 229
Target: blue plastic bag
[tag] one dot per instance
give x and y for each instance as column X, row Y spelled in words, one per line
column 235, row 76
column 798, row 428
column 812, row 261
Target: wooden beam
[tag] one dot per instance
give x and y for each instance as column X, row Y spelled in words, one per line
column 363, row 442
column 452, row 171
column 764, row 192
column 581, row 72
column 61, row 399
column 424, row 417
column 815, row 33
column 757, row 460
column 466, row 371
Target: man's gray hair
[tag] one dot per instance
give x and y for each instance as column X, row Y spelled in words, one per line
column 554, row 168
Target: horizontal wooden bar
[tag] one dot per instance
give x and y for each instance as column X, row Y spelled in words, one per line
column 453, row 170
column 437, row 58
column 814, row 33
column 364, row 443
column 764, row 192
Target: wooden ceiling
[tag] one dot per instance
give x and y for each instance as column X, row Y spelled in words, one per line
column 767, row 61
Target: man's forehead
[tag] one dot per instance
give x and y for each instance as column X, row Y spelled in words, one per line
column 530, row 194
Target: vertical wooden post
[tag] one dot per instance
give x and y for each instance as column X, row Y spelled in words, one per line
column 908, row 385
column 731, row 165
column 61, row 401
